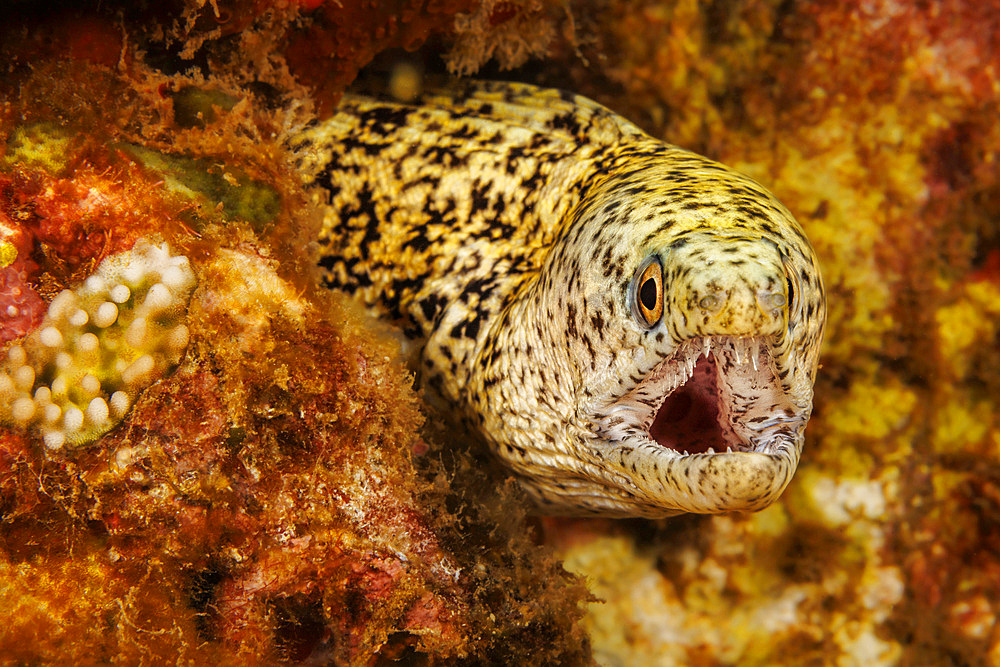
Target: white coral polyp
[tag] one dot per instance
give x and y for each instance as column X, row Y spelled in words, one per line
column 75, row 377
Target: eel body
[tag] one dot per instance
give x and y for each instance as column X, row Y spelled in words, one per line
column 634, row 329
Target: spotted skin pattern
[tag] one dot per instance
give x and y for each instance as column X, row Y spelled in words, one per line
column 503, row 226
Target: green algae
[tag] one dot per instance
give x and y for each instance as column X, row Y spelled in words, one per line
column 216, row 190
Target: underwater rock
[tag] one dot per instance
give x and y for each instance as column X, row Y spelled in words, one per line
column 509, row 32
column 341, row 37
column 272, row 499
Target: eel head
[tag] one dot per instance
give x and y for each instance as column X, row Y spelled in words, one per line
column 663, row 361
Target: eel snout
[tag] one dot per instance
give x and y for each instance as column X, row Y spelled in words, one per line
column 717, row 397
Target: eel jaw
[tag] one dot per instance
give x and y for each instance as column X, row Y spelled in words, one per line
column 709, row 429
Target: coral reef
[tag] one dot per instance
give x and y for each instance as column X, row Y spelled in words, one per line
column 98, row 347
column 272, row 498
column 873, row 122
column 59, row 220
column 261, row 504
column 275, row 497
column 510, row 32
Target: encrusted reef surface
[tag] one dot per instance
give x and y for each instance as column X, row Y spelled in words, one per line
column 267, row 487
column 205, row 458
column 875, row 123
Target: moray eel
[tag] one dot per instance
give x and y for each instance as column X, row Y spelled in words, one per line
column 634, row 329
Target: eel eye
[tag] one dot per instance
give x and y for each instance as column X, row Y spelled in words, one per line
column 649, row 293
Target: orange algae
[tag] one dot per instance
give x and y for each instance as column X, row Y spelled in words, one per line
column 268, row 486
column 262, row 503
column 510, row 32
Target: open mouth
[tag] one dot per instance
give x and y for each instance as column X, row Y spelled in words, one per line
column 714, row 394
column 689, row 418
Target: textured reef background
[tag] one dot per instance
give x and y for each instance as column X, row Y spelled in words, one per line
column 205, row 458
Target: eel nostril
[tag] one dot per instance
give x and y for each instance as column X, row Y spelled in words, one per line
column 710, row 302
column 771, row 300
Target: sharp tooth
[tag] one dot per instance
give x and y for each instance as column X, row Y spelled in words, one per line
column 729, row 449
column 754, row 352
column 711, row 450
column 706, row 346
column 737, row 350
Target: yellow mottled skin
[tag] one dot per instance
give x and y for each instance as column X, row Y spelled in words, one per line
column 634, row 329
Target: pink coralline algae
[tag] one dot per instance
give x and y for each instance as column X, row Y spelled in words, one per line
column 21, row 308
